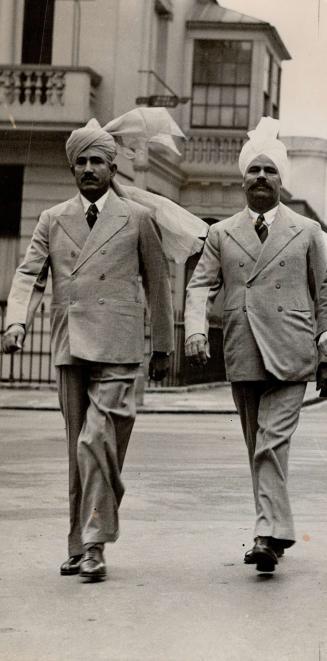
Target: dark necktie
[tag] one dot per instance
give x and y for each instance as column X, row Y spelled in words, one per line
column 260, row 228
column 91, row 215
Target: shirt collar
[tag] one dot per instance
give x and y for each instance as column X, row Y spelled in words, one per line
column 269, row 215
column 99, row 203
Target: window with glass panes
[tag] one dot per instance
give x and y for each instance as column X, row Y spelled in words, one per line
column 221, row 83
column 38, row 31
column 271, row 86
column 275, row 89
column 267, row 83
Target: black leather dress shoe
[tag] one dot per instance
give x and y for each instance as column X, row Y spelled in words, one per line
column 250, row 558
column 93, row 565
column 264, row 556
column 71, row 566
column 277, row 546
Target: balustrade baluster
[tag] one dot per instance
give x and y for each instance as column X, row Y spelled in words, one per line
column 38, row 87
column 28, row 87
column 225, row 150
column 219, row 150
column 212, row 150
column 190, row 150
column 215, row 151
column 59, row 85
column 197, row 150
column 6, row 86
column 2, row 87
column 17, row 87
column 206, row 152
column 49, row 88
column 211, row 147
column 193, row 150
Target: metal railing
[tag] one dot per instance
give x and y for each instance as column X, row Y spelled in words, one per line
column 181, row 373
column 33, row 365
column 176, row 366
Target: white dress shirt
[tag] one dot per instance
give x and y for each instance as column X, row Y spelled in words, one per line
column 269, row 216
column 99, row 203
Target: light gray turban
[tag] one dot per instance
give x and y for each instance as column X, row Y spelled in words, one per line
column 91, row 135
column 263, row 140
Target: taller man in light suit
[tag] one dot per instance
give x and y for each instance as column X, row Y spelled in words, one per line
column 99, row 248
column 272, row 263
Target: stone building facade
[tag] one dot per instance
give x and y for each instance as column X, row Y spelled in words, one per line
column 64, row 61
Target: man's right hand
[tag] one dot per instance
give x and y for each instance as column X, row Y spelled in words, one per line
column 195, row 349
column 13, row 339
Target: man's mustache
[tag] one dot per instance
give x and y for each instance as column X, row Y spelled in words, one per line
column 260, row 184
column 89, row 177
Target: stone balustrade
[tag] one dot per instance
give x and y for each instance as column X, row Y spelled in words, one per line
column 46, row 96
column 212, row 150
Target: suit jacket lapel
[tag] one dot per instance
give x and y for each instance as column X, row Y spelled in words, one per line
column 283, row 230
column 73, row 221
column 111, row 220
column 243, row 232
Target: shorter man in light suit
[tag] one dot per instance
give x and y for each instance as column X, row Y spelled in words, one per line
column 99, row 248
column 272, row 264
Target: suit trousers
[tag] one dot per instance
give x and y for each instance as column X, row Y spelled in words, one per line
column 98, row 405
column 269, row 412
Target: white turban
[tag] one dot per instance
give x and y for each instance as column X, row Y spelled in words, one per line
column 263, row 140
column 130, row 131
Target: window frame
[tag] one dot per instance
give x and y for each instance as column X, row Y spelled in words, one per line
column 222, row 88
column 271, row 102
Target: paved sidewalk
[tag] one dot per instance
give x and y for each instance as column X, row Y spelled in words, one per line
column 208, row 398
column 177, row 588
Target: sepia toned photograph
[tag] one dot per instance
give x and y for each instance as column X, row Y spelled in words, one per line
column 163, row 330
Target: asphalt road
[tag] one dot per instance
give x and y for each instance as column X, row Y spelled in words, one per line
column 177, row 587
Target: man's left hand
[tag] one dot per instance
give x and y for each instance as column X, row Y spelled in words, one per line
column 159, row 365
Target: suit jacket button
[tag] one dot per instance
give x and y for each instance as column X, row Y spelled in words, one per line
column 244, row 308
column 102, row 276
column 101, row 301
column 103, row 251
column 282, row 263
column 248, row 285
column 73, row 253
column 277, row 285
column 241, row 263
column 280, row 309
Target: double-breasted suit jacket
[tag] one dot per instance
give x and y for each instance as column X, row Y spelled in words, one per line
column 97, row 305
column 272, row 293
